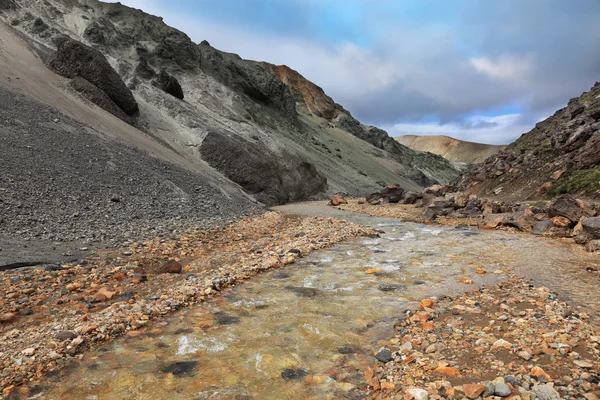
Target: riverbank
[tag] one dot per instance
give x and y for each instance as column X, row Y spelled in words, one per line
column 48, row 316
column 510, row 340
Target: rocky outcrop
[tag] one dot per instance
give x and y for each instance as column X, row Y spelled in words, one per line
column 98, row 97
column 74, row 59
column 559, row 155
column 144, row 70
column 168, row 84
column 270, row 179
column 569, row 207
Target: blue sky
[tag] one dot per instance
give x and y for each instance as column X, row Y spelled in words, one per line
column 474, row 69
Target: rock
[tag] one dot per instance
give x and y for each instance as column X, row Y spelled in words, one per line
column 525, row 355
column 426, row 303
column 591, row 227
column 411, row 197
column 65, row 335
column 97, row 96
column 493, row 221
column 304, row 291
column 181, row 368
column 384, row 355
column 293, row 374
column 501, row 344
column 593, row 246
column 391, row 287
column 561, row 222
column 583, row 364
column 418, row 394
column 73, row 58
column 569, row 207
column 449, row 371
column 540, row 373
column 501, row 389
column 28, row 352
column 542, row 227
column 8, row 318
column 168, row 84
column 545, row 392
column 392, row 193
column 436, row 190
column 473, row 391
column 439, row 207
column 144, row 70
column 337, row 200
column 271, row 178
column 104, row 294
column 170, row 267
column 374, row 199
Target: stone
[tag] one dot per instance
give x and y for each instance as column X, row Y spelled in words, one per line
column 65, row 335
column 143, row 70
column 542, row 227
column 473, row 391
column 392, row 193
column 411, row 197
column 591, row 227
column 426, row 303
column 501, row 389
column 418, row 394
column 387, row 386
column 449, row 371
column 384, row 355
column 525, row 355
column 501, row 344
column 593, row 246
column 374, row 199
column 569, row 207
column 168, row 84
column 436, row 190
column 181, row 368
column 438, row 207
column 28, row 352
column 493, row 221
column 8, row 317
column 337, row 200
column 545, row 392
column 540, row 373
column 561, row 222
column 170, row 267
column 293, row 374
column 583, row 364
column 73, row 58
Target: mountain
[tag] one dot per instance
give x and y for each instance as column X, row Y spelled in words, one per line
column 454, row 150
column 234, row 123
column 560, row 155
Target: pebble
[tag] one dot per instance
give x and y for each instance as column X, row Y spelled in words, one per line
column 501, row 389
column 545, row 392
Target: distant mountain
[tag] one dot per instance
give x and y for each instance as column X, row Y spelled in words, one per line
column 560, row 155
column 451, row 149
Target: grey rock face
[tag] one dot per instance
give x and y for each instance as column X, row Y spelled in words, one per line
column 591, row 227
column 168, row 84
column 569, row 207
column 98, row 97
column 73, row 59
column 272, row 180
column 144, row 70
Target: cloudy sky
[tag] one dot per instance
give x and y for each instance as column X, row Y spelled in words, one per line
column 477, row 70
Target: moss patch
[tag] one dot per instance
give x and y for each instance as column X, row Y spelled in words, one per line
column 582, row 181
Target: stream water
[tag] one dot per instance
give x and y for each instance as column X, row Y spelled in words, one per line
column 309, row 330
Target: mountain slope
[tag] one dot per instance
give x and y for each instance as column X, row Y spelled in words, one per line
column 560, row 155
column 187, row 92
column 451, row 149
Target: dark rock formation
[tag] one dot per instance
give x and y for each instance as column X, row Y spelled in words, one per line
column 392, row 193
column 144, row 70
column 7, row 5
column 272, row 179
column 73, row 59
column 569, row 207
column 168, row 84
column 98, row 97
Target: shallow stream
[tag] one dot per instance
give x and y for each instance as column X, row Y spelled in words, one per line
column 309, row 330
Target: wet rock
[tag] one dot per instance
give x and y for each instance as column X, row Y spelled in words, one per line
column 281, row 275
column 384, row 355
column 290, row 374
column 181, row 368
column 168, row 84
column 224, row 319
column 391, row 287
column 304, row 291
column 348, row 349
column 438, row 207
column 73, row 58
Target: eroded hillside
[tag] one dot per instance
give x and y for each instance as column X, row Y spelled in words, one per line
column 454, row 150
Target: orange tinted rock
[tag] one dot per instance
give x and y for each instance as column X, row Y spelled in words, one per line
column 539, row 372
column 449, row 371
column 387, row 386
column 561, row 222
column 170, row 267
column 337, row 200
column 473, row 391
column 426, row 303
column 466, row 281
column 481, row 271
column 8, row 317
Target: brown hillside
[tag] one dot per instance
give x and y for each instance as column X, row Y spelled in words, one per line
column 451, row 149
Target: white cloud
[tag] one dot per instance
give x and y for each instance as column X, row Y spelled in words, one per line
column 506, row 67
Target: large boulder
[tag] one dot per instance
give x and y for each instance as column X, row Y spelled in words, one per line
column 374, row 198
column 272, row 178
column 591, row 227
column 412, row 197
column 392, row 193
column 98, row 97
column 168, row 84
column 73, row 59
column 569, row 207
column 438, row 207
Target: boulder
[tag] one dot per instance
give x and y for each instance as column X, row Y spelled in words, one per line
column 98, row 97
column 392, row 193
column 493, row 221
column 591, row 227
column 593, row 246
column 273, row 178
column 168, row 84
column 438, row 207
column 523, row 220
column 543, row 227
column 73, row 59
column 411, row 197
column 436, row 190
column 569, row 207
column 374, row 198
column 170, row 267
column 337, row 200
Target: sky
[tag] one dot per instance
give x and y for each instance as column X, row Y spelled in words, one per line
column 478, row 70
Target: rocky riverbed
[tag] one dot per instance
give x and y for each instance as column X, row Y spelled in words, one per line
column 50, row 315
